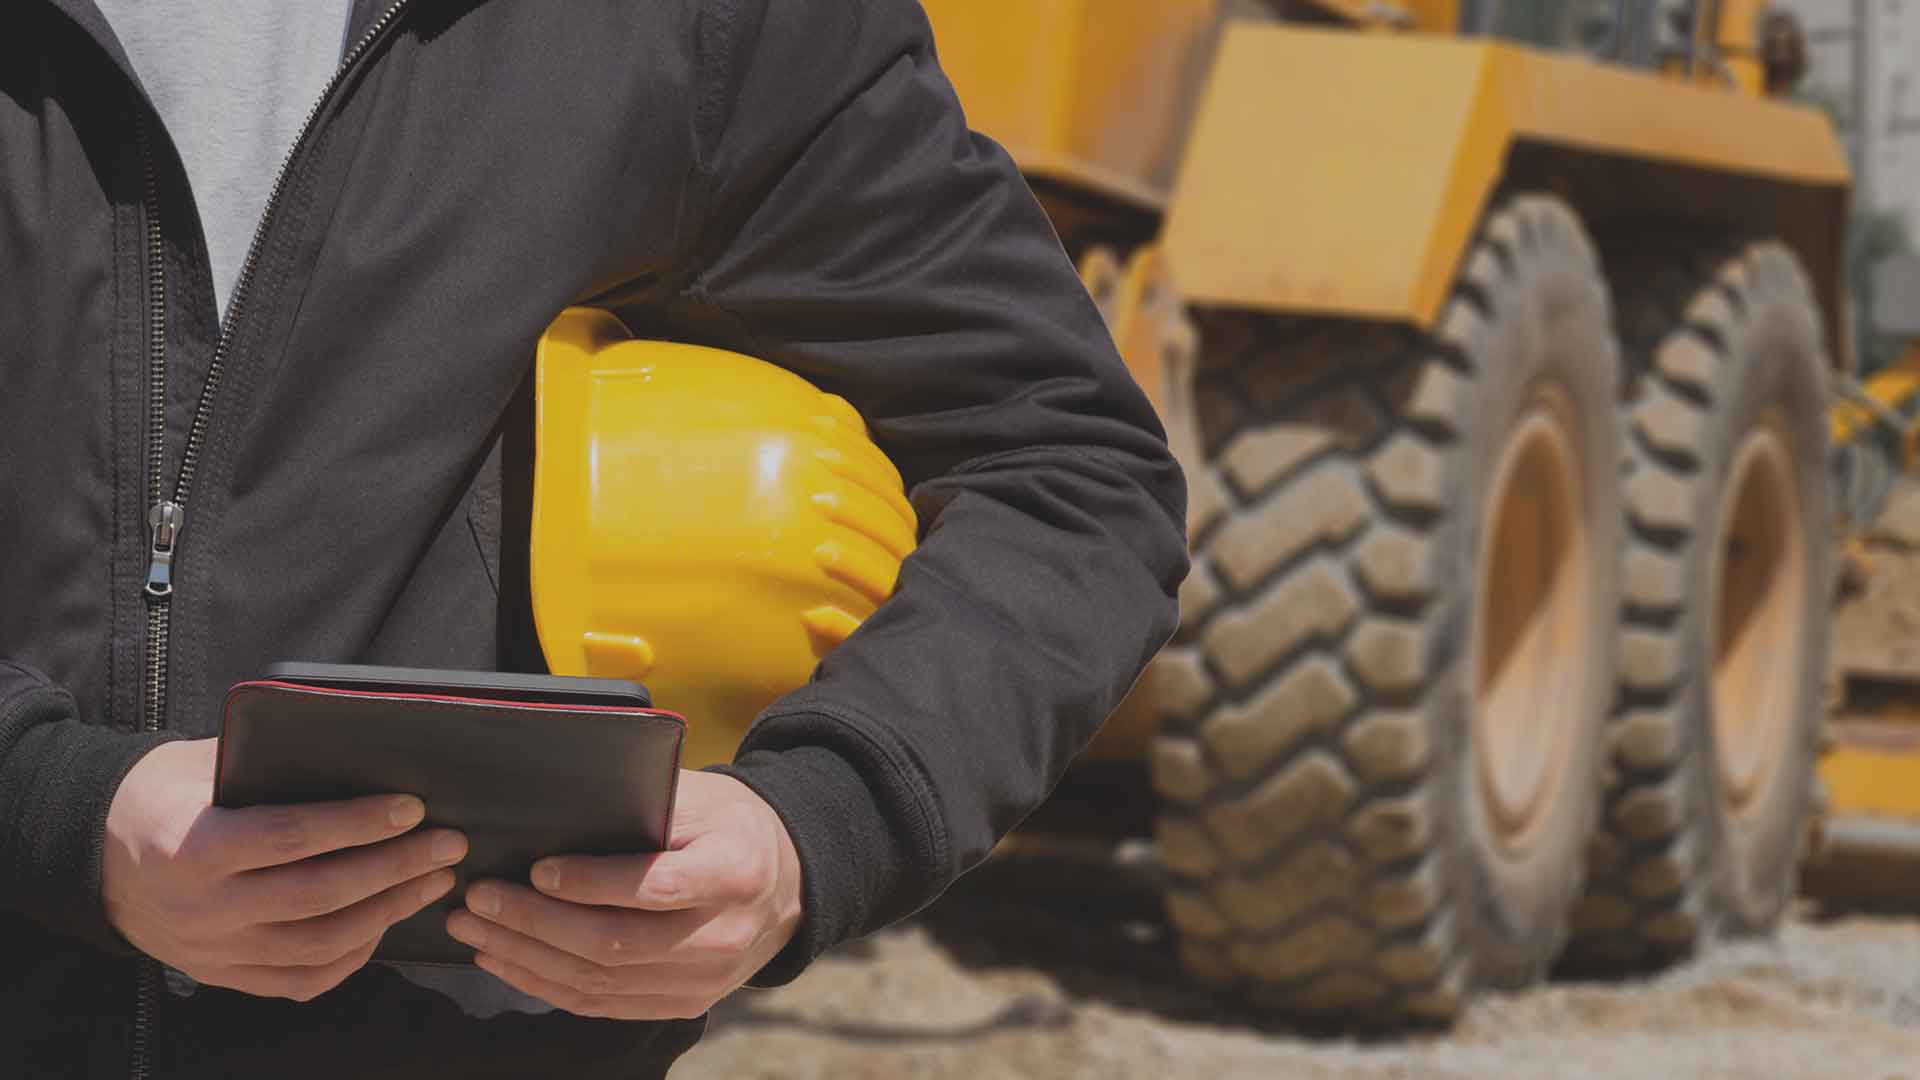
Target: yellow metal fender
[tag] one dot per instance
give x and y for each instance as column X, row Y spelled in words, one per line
column 1097, row 94
column 1084, row 92
column 704, row 522
column 1344, row 174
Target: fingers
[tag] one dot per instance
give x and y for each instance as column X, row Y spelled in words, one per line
column 332, row 882
column 603, row 935
column 580, row 1003
column 298, row 983
column 321, row 941
column 708, row 874
column 570, row 970
column 263, row 836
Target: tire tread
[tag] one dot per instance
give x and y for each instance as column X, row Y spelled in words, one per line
column 1298, row 776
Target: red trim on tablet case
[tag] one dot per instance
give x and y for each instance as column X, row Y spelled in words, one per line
column 549, row 706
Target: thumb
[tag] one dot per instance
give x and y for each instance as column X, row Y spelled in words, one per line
column 704, row 803
column 711, row 871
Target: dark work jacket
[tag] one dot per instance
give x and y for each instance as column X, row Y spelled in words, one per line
column 787, row 178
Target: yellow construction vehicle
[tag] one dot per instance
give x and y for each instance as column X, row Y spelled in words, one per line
column 1869, row 826
column 1494, row 337
column 1454, row 696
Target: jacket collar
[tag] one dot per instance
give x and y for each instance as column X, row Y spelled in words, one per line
column 364, row 12
column 87, row 15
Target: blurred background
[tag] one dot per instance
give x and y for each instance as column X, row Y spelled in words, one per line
column 1545, row 701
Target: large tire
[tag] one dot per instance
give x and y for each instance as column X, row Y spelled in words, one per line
column 1712, row 756
column 1326, row 818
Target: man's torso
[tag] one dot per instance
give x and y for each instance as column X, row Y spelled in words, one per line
column 480, row 168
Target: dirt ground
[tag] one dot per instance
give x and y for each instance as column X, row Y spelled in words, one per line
column 1016, row 975
column 1035, row 967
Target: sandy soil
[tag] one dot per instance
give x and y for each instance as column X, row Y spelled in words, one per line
column 1014, row 976
column 1043, row 967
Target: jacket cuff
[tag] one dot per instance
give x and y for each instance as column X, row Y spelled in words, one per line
column 58, row 777
column 851, row 860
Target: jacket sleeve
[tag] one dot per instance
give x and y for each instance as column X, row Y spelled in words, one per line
column 57, row 780
column 849, row 227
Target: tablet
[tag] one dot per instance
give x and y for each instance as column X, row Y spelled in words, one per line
column 526, row 765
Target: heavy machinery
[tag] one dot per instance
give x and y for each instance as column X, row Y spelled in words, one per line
column 1494, row 337
column 1869, row 824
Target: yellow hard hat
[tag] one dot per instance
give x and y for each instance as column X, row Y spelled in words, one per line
column 703, row 522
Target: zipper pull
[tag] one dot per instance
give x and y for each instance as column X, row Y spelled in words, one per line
column 166, row 520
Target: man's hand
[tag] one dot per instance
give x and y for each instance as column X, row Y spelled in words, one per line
column 277, row 901
column 648, row 937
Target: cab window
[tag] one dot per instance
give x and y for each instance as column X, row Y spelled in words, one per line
column 1618, row 30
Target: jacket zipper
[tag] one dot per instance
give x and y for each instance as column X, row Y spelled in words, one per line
column 157, row 609
column 166, row 516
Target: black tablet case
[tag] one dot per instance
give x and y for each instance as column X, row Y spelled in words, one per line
column 523, row 779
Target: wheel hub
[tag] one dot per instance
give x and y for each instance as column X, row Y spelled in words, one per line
column 1759, row 601
column 1531, row 639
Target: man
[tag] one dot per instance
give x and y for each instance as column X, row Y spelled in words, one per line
column 326, row 471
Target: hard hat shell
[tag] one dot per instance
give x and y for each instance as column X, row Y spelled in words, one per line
column 703, row 521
